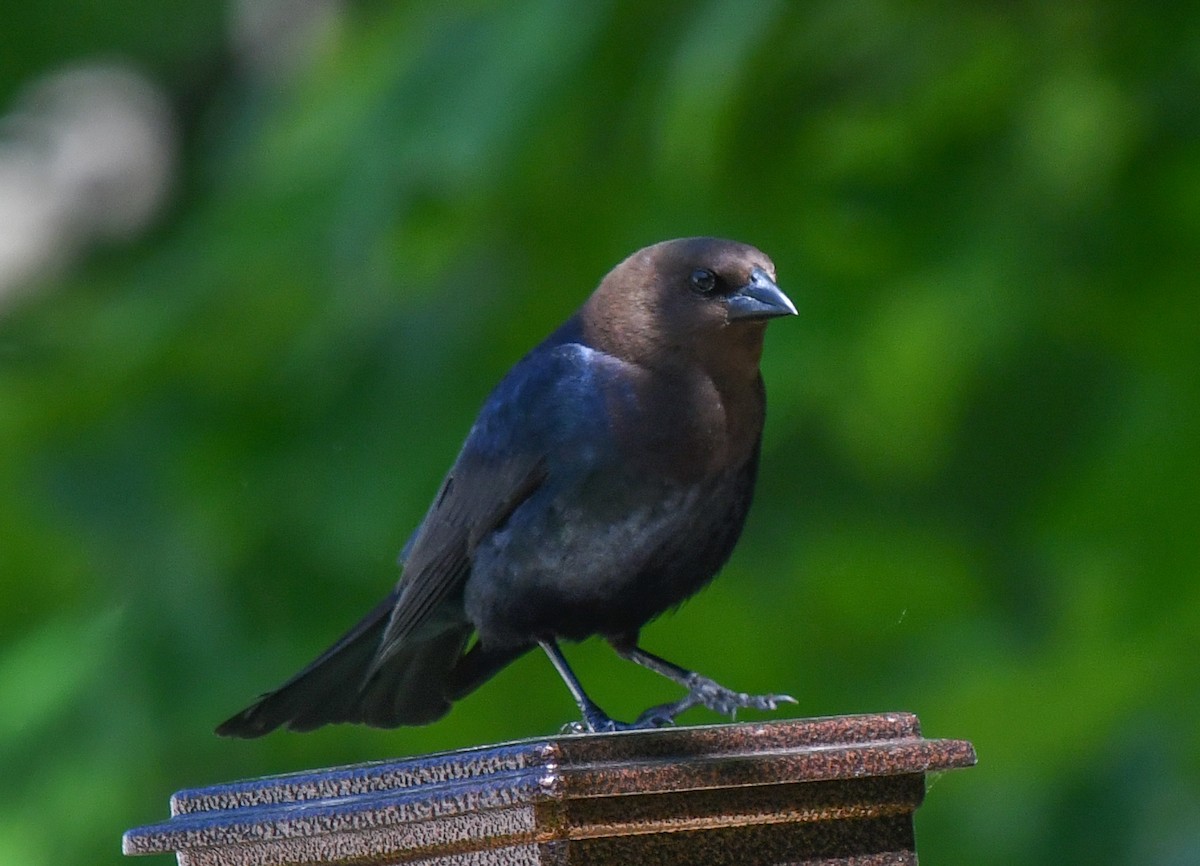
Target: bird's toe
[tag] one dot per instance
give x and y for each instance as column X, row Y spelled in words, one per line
column 726, row 701
column 662, row 715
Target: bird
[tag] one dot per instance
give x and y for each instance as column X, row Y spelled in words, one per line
column 605, row 481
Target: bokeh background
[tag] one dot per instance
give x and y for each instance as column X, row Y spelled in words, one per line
column 261, row 261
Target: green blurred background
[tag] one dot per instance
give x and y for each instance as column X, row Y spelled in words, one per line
column 225, row 403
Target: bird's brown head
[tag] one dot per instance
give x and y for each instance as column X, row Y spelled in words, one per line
column 704, row 300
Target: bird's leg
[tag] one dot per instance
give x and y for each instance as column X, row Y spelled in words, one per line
column 594, row 718
column 701, row 689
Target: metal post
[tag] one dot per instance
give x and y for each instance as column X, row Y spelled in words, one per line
column 831, row 791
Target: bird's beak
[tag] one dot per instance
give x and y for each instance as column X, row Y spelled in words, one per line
column 759, row 299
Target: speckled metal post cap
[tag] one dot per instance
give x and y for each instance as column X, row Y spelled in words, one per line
column 831, row 791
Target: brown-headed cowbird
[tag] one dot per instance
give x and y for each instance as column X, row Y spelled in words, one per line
column 606, row 479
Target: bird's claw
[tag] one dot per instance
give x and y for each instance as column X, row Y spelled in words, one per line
column 702, row 690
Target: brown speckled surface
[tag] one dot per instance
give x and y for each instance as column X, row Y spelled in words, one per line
column 833, row 790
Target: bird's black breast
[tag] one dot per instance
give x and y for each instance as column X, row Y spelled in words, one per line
column 604, row 559
column 641, row 501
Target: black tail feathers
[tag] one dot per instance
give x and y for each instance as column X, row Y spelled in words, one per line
column 410, row 688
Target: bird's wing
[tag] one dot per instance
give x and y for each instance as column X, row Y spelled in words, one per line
column 539, row 406
column 543, row 406
column 477, row 496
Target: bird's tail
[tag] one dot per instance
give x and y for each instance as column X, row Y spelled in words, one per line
column 410, row 688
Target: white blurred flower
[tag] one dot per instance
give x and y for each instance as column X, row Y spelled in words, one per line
column 29, row 218
column 87, row 154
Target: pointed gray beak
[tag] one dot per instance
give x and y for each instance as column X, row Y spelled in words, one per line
column 759, row 299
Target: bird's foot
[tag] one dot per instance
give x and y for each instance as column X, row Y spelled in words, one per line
column 655, row 717
column 702, row 690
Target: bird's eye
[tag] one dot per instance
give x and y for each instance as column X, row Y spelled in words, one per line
column 703, row 280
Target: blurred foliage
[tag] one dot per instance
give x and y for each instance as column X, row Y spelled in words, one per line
column 979, row 487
